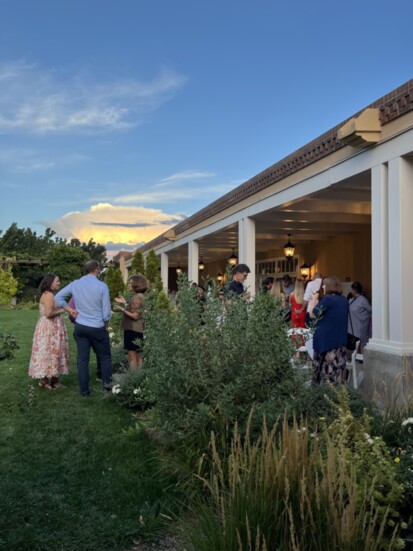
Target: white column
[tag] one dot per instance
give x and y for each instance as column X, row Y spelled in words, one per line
column 401, row 253
column 392, row 257
column 380, row 252
column 246, row 248
column 193, row 260
column 164, row 270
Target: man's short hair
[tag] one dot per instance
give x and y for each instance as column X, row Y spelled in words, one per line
column 286, row 277
column 91, row 266
column 268, row 280
column 241, row 268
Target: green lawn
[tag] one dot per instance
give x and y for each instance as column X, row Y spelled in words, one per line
column 70, row 477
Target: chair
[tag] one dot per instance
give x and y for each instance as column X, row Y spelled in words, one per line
column 307, row 346
column 352, row 365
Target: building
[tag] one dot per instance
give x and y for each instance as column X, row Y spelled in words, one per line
column 346, row 201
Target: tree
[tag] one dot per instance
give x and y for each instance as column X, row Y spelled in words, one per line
column 138, row 263
column 114, row 281
column 8, row 284
column 25, row 242
column 93, row 250
column 152, row 270
column 67, row 262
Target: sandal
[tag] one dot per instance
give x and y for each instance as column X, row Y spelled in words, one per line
column 54, row 381
column 44, row 383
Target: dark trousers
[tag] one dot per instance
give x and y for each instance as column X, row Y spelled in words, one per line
column 98, row 339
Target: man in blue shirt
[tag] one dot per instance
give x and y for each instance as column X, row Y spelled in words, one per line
column 93, row 308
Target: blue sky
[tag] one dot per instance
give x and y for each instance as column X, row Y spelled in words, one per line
column 118, row 119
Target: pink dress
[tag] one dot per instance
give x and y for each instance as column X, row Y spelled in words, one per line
column 50, row 352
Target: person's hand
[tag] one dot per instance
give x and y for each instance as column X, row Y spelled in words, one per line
column 120, row 300
column 72, row 312
column 118, row 309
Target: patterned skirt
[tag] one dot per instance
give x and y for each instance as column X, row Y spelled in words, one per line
column 330, row 366
column 50, row 351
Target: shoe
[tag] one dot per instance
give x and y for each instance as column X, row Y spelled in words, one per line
column 54, row 381
column 107, row 392
column 87, row 395
column 44, row 383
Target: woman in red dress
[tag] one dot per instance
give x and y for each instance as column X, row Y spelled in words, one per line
column 298, row 309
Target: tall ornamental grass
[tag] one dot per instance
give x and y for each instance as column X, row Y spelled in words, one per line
column 287, row 491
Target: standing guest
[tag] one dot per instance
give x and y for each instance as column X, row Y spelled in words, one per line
column 50, row 352
column 360, row 313
column 313, row 286
column 73, row 320
column 267, row 284
column 288, row 288
column 236, row 286
column 330, row 336
column 93, row 307
column 132, row 321
column 277, row 291
column 298, row 308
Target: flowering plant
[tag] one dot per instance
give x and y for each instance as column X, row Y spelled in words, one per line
column 132, row 390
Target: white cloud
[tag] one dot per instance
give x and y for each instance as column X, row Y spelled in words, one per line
column 117, row 224
column 185, row 176
column 36, row 101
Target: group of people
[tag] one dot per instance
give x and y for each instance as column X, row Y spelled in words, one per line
column 90, row 309
column 320, row 301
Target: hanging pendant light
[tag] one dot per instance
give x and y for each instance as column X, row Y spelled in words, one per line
column 201, row 265
column 178, row 269
column 233, row 259
column 220, row 277
column 305, row 270
column 289, row 248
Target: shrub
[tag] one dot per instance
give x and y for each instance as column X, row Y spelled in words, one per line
column 209, row 363
column 8, row 344
column 132, row 390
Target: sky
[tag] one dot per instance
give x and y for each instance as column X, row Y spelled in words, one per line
column 119, row 119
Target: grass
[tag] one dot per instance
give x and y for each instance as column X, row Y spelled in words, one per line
column 71, row 478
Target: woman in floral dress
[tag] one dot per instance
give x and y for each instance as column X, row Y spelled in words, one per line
column 50, row 351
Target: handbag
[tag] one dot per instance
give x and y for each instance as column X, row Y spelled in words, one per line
column 351, row 339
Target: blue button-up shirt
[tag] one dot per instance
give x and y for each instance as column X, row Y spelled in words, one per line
column 91, row 298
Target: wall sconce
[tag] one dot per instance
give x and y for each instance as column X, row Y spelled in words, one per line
column 201, row 265
column 233, row 259
column 220, row 277
column 178, row 269
column 289, row 248
column 305, row 270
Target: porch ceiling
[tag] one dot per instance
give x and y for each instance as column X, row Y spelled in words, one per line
column 342, row 208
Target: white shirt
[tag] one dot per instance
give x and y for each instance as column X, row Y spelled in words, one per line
column 312, row 287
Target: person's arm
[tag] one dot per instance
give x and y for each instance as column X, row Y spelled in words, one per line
column 313, row 305
column 60, row 300
column 136, row 306
column 106, row 306
column 50, row 308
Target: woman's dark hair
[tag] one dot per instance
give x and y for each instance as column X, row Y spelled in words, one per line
column 46, row 283
column 139, row 283
column 358, row 287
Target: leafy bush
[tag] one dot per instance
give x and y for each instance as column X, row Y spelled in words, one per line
column 290, row 492
column 209, row 363
column 395, row 426
column 132, row 390
column 8, row 344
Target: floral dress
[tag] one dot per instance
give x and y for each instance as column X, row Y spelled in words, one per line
column 50, row 351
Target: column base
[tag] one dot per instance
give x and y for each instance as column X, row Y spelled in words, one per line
column 388, row 377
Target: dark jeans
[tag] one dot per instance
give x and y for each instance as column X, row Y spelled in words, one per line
column 98, row 339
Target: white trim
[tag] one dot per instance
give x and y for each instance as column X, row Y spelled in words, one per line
column 390, row 347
